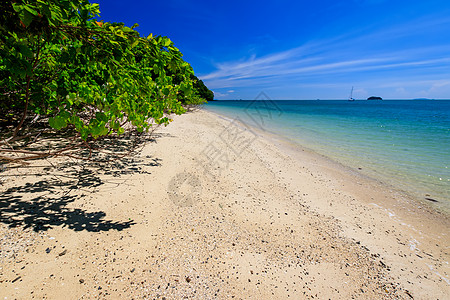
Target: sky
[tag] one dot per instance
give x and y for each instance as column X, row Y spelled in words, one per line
column 315, row 49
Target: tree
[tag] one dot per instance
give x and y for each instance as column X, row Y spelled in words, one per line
column 62, row 71
column 201, row 90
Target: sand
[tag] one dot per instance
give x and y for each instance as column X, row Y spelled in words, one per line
column 213, row 210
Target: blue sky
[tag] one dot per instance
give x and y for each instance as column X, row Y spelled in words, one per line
column 304, row 49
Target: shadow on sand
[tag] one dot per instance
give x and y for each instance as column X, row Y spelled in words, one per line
column 45, row 200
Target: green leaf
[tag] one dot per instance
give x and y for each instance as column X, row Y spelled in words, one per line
column 84, row 132
column 25, row 51
column 65, row 115
column 115, row 125
column 166, row 91
column 26, row 17
column 135, row 43
column 77, row 122
column 17, row 7
column 99, row 130
column 57, row 122
column 30, row 10
column 101, row 117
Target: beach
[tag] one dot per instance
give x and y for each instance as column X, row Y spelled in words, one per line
column 213, row 209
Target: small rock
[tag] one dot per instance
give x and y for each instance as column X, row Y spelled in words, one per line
column 81, row 280
column 188, row 279
column 16, row 279
column 409, row 294
column 48, row 250
column 431, row 199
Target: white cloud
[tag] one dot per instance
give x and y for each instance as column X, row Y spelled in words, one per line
column 219, row 94
column 291, row 64
column 439, row 88
column 348, row 60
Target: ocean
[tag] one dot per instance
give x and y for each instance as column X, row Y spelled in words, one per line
column 405, row 143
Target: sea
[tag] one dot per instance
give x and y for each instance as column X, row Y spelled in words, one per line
column 404, row 143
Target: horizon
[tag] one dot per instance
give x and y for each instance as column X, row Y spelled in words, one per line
column 396, row 49
column 345, row 100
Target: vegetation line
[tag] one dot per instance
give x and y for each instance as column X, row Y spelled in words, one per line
column 64, row 74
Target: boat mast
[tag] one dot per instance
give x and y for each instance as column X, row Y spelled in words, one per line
column 351, row 95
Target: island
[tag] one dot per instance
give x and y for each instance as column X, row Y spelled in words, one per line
column 374, row 98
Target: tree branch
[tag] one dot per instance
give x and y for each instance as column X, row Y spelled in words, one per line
column 27, row 97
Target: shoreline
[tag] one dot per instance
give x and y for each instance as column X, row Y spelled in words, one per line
column 212, row 210
column 408, row 205
column 295, row 146
column 400, row 164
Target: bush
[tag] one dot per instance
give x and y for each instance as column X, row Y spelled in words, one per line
column 62, row 68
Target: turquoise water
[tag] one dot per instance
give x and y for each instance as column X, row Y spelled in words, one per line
column 403, row 143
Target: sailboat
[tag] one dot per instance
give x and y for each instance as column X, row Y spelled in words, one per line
column 350, row 98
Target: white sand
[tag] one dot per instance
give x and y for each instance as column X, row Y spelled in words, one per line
column 264, row 220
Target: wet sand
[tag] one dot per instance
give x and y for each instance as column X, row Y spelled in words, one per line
column 214, row 210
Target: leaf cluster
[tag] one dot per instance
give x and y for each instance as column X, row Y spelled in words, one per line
column 59, row 64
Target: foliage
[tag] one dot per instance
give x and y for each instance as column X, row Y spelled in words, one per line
column 201, row 90
column 200, row 93
column 60, row 66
